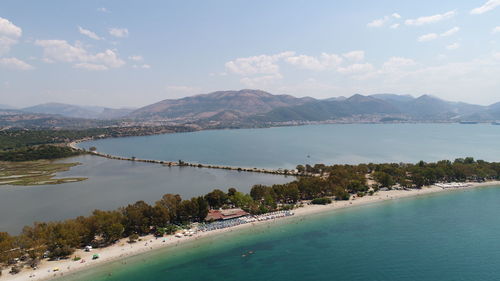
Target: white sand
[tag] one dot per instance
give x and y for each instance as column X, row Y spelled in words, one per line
column 123, row 249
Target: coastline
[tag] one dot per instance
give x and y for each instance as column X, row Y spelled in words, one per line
column 123, row 249
column 282, row 172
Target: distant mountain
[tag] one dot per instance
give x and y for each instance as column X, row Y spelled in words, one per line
column 382, row 106
column 393, row 97
column 19, row 119
column 341, row 98
column 254, row 107
column 5, row 106
column 67, row 110
column 321, row 110
column 427, row 107
column 77, row 111
column 493, row 111
column 223, row 104
column 114, row 113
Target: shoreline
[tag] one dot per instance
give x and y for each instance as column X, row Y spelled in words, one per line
column 122, row 249
column 282, row 172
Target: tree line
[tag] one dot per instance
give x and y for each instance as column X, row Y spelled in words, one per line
column 171, row 212
column 19, row 138
column 38, row 152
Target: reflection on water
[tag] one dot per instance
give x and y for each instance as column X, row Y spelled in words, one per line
column 285, row 147
column 112, row 184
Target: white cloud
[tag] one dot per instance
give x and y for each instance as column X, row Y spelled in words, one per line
column 397, row 62
column 378, row 22
column 7, row 28
column 9, row 35
column 430, row 19
column 61, row 50
column 118, row 32
column 453, row 46
column 433, row 36
column 90, row 66
column 263, row 64
column 497, row 56
column 450, row 32
column 145, row 66
column 14, row 63
column 496, row 30
column 309, row 62
column 427, row 37
column 88, row 33
column 136, row 58
column 385, row 20
column 6, row 43
column 357, row 68
column 488, row 6
column 102, row 10
column 355, row 55
column 260, row 81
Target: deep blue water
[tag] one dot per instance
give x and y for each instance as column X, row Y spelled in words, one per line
column 452, row 236
column 285, row 147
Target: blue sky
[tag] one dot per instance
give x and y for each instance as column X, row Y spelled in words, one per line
column 132, row 53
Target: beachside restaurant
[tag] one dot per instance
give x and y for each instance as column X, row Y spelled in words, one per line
column 222, row 215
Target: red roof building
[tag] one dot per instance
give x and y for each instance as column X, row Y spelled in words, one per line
column 215, row 215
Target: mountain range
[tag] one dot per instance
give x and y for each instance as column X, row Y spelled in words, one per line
column 259, row 108
column 73, row 111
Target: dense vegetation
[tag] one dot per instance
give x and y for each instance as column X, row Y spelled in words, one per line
column 16, row 138
column 38, row 152
column 321, row 201
column 338, row 182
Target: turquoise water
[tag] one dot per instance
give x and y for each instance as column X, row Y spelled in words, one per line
column 452, row 236
column 285, row 147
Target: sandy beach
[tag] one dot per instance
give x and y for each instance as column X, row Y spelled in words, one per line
column 123, row 249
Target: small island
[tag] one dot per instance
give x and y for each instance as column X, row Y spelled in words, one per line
column 35, row 173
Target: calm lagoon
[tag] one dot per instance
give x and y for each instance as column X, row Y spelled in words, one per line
column 112, row 184
column 285, row 147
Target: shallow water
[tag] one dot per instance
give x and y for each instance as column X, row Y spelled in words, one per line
column 451, row 236
column 112, row 184
column 286, row 147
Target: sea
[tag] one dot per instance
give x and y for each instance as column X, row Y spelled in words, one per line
column 450, row 236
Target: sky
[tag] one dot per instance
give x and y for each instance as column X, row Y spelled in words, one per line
column 121, row 53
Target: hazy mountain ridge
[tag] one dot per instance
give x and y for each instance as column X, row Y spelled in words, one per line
column 78, row 111
column 250, row 108
column 402, row 107
column 241, row 103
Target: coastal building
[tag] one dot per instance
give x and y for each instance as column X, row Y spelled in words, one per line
column 220, row 215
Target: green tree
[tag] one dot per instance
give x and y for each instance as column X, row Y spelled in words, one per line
column 216, row 199
column 137, row 218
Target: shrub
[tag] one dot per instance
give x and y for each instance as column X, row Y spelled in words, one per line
column 133, row 238
column 321, row 201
